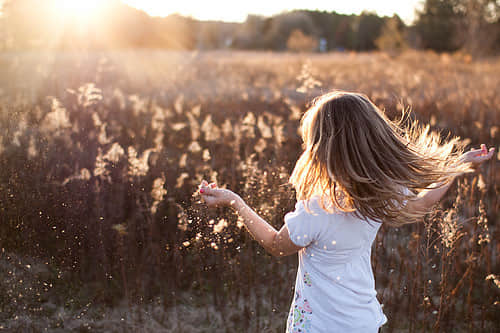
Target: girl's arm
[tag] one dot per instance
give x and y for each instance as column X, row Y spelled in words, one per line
column 276, row 243
column 429, row 197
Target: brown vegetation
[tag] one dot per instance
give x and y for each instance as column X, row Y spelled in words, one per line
column 100, row 154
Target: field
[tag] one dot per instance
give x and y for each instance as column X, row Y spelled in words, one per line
column 101, row 154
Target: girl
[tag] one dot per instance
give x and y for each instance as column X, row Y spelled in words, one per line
column 358, row 170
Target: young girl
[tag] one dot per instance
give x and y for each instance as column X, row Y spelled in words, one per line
column 358, row 170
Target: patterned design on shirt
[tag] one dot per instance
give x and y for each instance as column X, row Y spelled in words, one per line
column 307, row 279
column 299, row 319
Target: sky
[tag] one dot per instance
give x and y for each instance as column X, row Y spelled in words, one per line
column 237, row 11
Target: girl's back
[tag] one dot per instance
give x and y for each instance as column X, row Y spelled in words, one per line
column 334, row 289
column 368, row 170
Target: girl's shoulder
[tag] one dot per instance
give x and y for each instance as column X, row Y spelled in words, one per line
column 306, row 223
column 312, row 212
column 326, row 214
column 310, row 223
column 318, row 206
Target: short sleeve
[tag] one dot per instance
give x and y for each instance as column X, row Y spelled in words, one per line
column 301, row 226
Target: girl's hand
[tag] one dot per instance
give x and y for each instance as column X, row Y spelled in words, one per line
column 216, row 197
column 477, row 156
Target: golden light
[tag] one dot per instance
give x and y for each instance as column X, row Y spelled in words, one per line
column 77, row 8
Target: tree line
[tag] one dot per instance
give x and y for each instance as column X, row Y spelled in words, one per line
column 440, row 25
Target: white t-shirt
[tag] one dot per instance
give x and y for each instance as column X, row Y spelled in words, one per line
column 335, row 287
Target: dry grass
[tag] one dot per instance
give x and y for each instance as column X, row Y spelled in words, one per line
column 100, row 155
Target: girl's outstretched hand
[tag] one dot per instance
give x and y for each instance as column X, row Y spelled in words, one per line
column 477, row 156
column 216, row 197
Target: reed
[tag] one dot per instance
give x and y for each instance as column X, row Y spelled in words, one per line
column 99, row 167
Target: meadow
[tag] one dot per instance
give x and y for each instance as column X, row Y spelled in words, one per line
column 101, row 153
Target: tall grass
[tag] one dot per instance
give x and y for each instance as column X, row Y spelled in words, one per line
column 101, row 155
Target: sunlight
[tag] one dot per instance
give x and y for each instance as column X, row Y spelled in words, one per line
column 77, row 8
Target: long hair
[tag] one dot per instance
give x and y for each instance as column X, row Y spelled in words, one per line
column 359, row 161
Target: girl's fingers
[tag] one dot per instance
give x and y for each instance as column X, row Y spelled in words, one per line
column 207, row 191
column 487, row 153
column 483, row 151
column 491, row 152
column 203, row 186
column 483, row 156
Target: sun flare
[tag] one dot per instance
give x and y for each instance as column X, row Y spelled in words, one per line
column 77, row 8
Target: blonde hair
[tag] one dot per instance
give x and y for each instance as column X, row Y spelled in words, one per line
column 359, row 161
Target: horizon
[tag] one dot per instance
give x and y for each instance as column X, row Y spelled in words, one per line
column 221, row 10
column 201, row 10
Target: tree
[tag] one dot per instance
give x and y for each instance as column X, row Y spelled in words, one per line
column 344, row 33
column 437, row 24
column 249, row 35
column 479, row 30
column 392, row 38
column 449, row 25
column 28, row 24
column 369, row 27
column 300, row 42
column 278, row 30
